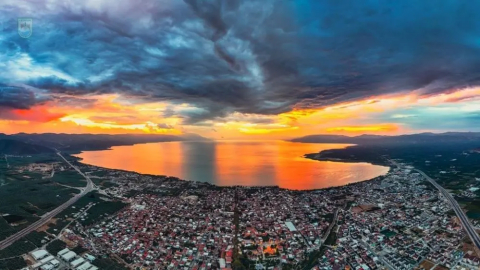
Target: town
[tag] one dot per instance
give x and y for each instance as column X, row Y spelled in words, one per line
column 396, row 221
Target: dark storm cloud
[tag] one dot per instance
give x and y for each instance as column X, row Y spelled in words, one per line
column 73, row 102
column 16, row 97
column 258, row 56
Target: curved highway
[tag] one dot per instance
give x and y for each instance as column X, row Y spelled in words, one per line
column 45, row 218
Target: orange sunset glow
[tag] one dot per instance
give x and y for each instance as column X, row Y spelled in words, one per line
column 113, row 114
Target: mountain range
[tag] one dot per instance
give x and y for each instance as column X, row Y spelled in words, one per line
column 23, row 143
column 83, row 142
column 15, row 147
column 420, row 138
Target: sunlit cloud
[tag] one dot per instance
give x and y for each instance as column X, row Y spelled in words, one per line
column 382, row 128
column 275, row 68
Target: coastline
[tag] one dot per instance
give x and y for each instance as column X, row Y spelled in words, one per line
column 311, row 156
column 319, row 157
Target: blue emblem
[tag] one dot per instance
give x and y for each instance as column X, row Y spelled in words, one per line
column 25, row 27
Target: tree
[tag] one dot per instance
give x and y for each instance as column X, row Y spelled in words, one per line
column 237, row 265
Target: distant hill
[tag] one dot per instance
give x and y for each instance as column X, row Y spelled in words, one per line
column 14, row 147
column 325, row 139
column 193, row 137
column 421, row 138
column 80, row 142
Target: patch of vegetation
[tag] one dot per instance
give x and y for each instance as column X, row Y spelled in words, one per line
column 101, row 209
column 13, row 229
column 56, row 228
column 79, row 249
column 473, row 209
column 55, row 246
column 12, row 264
column 36, row 238
column 388, row 233
column 18, row 248
column 13, row 218
column 105, row 183
column 25, row 199
column 3, row 224
column 92, row 197
column 70, row 178
column 40, row 158
column 109, row 264
column 100, row 173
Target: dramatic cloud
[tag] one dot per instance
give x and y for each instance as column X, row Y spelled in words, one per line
column 251, row 57
column 16, row 97
column 165, row 126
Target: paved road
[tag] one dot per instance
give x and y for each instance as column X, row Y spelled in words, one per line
column 467, row 226
column 334, row 221
column 45, row 218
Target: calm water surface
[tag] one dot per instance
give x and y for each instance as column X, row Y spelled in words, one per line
column 226, row 163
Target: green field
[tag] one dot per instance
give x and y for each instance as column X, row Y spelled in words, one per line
column 26, row 196
column 473, row 209
column 18, row 248
column 101, row 209
column 42, row 158
column 69, row 178
column 108, row 264
column 12, row 264
column 55, row 246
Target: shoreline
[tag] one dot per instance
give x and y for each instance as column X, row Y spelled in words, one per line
column 307, row 156
column 317, row 157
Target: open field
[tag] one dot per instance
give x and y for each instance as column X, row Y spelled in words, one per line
column 426, row 264
column 26, row 196
column 69, row 178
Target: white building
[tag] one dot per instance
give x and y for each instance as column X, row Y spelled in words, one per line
column 69, row 256
column 47, row 267
column 84, row 266
column 55, row 263
column 47, row 259
column 290, row 226
column 39, row 254
column 63, row 251
column 77, row 262
column 89, row 257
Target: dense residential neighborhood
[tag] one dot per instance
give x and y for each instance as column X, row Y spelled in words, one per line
column 397, row 221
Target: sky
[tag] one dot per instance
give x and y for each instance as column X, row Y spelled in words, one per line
column 240, row 69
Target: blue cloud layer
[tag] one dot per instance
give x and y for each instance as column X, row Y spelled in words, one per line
column 222, row 56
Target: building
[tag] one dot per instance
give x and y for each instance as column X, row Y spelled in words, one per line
column 47, row 267
column 89, row 257
column 290, row 226
column 39, row 254
column 84, row 266
column 69, row 256
column 77, row 262
column 55, row 263
column 47, row 259
column 63, row 251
